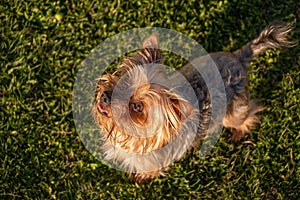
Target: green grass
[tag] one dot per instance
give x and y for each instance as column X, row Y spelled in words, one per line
column 42, row 46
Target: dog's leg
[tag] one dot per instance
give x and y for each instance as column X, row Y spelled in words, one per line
column 146, row 177
column 241, row 115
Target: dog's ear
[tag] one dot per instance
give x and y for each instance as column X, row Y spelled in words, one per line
column 151, row 42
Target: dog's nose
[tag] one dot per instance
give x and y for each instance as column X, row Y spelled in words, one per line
column 137, row 106
column 105, row 98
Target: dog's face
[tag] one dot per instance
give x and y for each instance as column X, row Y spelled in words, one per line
column 133, row 109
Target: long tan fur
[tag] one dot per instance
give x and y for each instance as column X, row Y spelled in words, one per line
column 153, row 116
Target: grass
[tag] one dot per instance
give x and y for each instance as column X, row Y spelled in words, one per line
column 42, row 46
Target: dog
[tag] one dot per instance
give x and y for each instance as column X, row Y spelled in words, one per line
column 139, row 117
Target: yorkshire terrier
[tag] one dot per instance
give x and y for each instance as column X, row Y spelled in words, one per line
column 150, row 116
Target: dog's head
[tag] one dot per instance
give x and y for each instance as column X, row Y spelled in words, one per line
column 135, row 107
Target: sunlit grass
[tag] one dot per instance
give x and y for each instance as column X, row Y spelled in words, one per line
column 41, row 155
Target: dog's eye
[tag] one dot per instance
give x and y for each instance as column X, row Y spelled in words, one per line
column 136, row 106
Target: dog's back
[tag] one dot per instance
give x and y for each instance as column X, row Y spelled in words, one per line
column 233, row 67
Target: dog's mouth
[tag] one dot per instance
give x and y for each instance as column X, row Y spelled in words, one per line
column 101, row 109
column 103, row 105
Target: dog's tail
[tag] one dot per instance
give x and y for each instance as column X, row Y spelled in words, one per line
column 274, row 36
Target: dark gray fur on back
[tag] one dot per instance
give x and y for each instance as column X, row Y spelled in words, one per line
column 233, row 67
